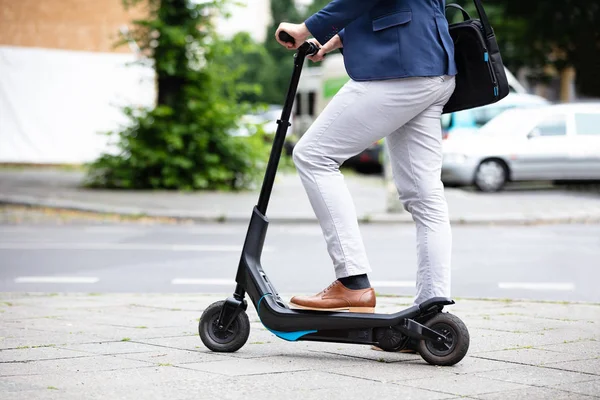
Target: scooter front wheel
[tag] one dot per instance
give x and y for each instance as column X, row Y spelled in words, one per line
column 223, row 340
column 448, row 353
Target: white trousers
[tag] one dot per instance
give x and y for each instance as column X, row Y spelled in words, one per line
column 407, row 113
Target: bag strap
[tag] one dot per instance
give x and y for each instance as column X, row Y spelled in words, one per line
column 465, row 14
column 487, row 28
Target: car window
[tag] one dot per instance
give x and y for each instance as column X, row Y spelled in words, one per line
column 510, row 122
column 556, row 125
column 587, row 124
column 483, row 115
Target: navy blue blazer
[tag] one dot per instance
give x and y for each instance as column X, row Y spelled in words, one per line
column 388, row 39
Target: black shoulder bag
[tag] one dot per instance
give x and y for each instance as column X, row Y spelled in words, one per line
column 481, row 78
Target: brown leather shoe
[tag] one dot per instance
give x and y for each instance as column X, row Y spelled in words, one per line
column 337, row 297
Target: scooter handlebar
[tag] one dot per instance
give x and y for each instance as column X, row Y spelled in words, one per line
column 308, row 47
column 286, row 37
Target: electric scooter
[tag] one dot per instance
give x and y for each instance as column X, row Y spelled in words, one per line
column 439, row 337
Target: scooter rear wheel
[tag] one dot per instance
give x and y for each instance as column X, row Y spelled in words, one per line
column 450, row 353
column 225, row 341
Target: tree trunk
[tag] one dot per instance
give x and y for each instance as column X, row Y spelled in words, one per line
column 172, row 13
column 567, row 80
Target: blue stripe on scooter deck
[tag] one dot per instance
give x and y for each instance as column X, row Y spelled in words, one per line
column 289, row 336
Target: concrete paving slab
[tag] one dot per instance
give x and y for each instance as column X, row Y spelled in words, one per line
column 590, row 388
column 187, row 342
column 468, row 385
column 586, row 348
column 320, row 362
column 175, row 357
column 111, row 348
column 396, row 372
column 153, row 382
column 242, row 367
column 590, row 366
column 293, row 381
column 40, row 339
column 533, row 393
column 538, row 376
column 531, row 356
column 381, row 390
column 521, row 324
column 37, row 354
column 318, row 385
column 72, row 365
column 489, row 340
column 472, row 364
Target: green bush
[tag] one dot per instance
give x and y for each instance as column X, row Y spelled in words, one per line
column 184, row 142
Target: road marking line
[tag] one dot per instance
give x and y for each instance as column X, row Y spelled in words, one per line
column 560, row 286
column 143, row 230
column 56, row 279
column 410, row 284
column 189, row 281
column 122, row 246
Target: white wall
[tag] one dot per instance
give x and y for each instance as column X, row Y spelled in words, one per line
column 252, row 16
column 53, row 103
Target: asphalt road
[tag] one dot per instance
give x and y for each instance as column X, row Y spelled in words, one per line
column 547, row 262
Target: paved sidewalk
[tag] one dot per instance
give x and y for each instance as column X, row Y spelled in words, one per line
column 61, row 189
column 121, row 346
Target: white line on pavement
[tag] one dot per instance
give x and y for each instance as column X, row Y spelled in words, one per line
column 560, row 286
column 56, row 279
column 209, row 230
column 122, row 246
column 189, row 281
column 376, row 284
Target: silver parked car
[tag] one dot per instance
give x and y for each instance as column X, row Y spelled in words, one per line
column 555, row 142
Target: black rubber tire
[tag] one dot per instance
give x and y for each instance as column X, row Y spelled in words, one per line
column 450, row 325
column 227, row 342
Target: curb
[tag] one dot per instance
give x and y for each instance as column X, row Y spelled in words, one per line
column 186, row 215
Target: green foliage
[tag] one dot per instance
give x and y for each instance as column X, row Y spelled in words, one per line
column 281, row 11
column 315, row 6
column 184, row 142
column 548, row 33
column 253, row 67
column 563, row 33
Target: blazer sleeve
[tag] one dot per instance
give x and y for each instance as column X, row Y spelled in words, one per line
column 336, row 15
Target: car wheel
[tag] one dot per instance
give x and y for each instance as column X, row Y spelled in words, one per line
column 491, row 175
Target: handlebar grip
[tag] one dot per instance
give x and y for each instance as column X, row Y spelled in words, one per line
column 286, row 37
column 312, row 49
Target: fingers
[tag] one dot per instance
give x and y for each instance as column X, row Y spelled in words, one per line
column 287, row 45
column 320, row 56
column 291, row 30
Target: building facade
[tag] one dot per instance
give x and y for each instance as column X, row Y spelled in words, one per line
column 63, row 82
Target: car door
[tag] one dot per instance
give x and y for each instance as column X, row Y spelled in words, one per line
column 544, row 151
column 585, row 153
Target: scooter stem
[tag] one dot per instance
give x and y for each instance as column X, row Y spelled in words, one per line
column 283, row 125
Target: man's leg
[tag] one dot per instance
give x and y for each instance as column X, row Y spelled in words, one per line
column 360, row 114
column 416, row 158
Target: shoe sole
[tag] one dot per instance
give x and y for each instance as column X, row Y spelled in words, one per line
column 362, row 310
